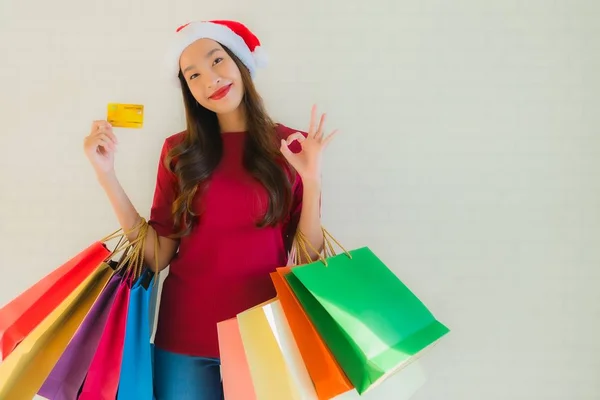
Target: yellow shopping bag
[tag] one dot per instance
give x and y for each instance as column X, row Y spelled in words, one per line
column 23, row 372
column 275, row 363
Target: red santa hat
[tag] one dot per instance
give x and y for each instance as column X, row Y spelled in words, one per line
column 231, row 34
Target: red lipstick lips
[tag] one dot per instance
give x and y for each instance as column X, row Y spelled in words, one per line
column 219, row 94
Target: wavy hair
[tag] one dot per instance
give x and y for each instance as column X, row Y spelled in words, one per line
column 196, row 157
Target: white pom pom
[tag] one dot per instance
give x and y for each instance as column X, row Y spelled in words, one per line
column 260, row 57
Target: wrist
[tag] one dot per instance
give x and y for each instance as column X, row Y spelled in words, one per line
column 311, row 185
column 106, row 178
column 313, row 181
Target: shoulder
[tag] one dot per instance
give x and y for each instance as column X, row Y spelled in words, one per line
column 173, row 140
column 168, row 144
column 284, row 131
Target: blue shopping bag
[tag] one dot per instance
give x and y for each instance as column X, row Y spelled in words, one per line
column 137, row 366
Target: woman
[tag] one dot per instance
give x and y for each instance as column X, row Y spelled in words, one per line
column 231, row 191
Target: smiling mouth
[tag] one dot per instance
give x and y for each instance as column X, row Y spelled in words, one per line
column 219, row 94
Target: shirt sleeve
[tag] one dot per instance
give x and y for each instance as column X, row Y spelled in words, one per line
column 165, row 193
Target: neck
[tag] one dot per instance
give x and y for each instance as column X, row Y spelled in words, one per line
column 234, row 121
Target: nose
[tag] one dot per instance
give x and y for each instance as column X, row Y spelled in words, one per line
column 213, row 81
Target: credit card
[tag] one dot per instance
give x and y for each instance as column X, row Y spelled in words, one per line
column 125, row 115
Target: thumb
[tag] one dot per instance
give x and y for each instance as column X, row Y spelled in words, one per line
column 284, row 148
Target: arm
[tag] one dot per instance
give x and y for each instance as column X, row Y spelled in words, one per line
column 128, row 217
column 310, row 218
column 100, row 146
column 306, row 160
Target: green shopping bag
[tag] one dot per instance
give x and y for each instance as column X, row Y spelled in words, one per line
column 372, row 323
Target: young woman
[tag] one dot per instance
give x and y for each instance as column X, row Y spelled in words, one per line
column 231, row 191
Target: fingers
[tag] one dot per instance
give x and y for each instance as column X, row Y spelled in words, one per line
column 313, row 130
column 97, row 126
column 285, row 143
column 104, row 127
column 328, row 139
column 105, row 141
column 285, row 150
column 295, row 136
column 313, row 120
column 109, row 132
column 101, row 135
column 319, row 134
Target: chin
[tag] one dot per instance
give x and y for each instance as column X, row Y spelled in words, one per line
column 224, row 106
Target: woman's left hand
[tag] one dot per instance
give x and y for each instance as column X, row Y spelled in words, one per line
column 308, row 161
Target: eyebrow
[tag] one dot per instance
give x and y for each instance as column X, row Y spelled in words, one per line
column 208, row 55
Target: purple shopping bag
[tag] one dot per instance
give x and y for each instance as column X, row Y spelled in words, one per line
column 68, row 374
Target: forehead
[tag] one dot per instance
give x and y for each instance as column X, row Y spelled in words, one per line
column 197, row 51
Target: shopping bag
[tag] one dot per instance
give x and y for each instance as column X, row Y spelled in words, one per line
column 19, row 317
column 103, row 375
column 326, row 374
column 23, row 372
column 102, row 379
column 155, row 298
column 68, row 375
column 372, row 323
column 409, row 380
column 274, row 360
column 137, row 365
column 235, row 372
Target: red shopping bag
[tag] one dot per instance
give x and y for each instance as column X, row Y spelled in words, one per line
column 19, row 317
column 102, row 380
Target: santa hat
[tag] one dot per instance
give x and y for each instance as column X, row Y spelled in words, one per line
column 231, row 34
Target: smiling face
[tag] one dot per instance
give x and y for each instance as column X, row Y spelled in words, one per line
column 213, row 77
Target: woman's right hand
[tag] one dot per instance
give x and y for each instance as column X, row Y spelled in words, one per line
column 100, row 146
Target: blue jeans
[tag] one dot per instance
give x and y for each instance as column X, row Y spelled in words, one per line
column 181, row 377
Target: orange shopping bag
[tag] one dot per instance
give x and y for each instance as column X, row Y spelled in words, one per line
column 327, row 376
column 237, row 381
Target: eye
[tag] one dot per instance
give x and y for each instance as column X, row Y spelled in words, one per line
column 217, row 60
column 194, row 76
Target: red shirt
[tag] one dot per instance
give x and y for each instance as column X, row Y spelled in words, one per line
column 223, row 266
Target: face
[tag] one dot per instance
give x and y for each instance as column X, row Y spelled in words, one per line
column 212, row 76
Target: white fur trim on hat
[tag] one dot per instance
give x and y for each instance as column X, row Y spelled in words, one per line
column 260, row 57
column 217, row 32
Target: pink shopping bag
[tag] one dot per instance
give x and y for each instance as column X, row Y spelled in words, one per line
column 237, row 382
